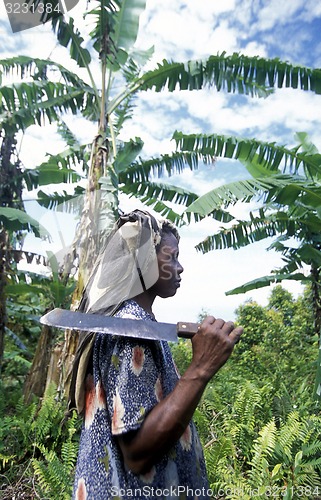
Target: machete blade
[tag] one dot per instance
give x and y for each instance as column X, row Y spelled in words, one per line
column 126, row 327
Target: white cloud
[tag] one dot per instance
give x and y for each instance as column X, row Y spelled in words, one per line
column 311, row 10
column 276, row 12
column 222, row 38
column 36, row 142
column 255, row 48
column 190, row 30
column 288, row 109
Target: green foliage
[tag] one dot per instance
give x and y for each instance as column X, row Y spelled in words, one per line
column 55, row 468
column 257, row 421
column 279, row 342
column 28, row 296
column 255, row 317
column 253, row 76
column 259, row 427
column 39, row 435
column 241, row 425
column 14, row 219
column 282, row 301
column 22, row 334
column 15, row 428
column 284, row 459
column 182, row 352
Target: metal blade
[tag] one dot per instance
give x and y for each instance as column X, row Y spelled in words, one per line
column 137, row 328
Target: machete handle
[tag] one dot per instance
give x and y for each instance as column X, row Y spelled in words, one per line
column 187, row 330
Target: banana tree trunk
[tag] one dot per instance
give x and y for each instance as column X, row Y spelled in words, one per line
column 99, row 214
column 36, row 379
column 98, row 217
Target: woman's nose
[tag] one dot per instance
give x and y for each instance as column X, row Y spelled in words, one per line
column 180, row 268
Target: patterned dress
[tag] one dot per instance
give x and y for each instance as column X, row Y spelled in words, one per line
column 129, row 378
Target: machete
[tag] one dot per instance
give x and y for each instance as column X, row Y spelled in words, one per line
column 112, row 325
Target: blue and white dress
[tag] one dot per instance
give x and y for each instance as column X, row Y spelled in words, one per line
column 129, row 378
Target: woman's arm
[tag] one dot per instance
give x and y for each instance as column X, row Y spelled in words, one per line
column 167, row 421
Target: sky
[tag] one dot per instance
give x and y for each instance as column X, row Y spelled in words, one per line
column 180, row 31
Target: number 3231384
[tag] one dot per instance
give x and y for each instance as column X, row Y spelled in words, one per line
column 32, row 8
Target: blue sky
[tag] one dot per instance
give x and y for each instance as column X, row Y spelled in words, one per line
column 185, row 30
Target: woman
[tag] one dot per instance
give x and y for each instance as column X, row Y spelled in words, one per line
column 138, row 439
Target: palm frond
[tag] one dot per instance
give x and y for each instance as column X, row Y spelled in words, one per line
column 127, row 22
column 230, row 193
column 116, row 29
column 168, row 164
column 308, row 254
column 133, row 67
column 195, row 75
column 280, row 189
column 260, row 158
column 70, row 37
column 38, row 69
column 241, row 234
column 265, row 225
column 237, row 73
column 68, row 136
column 69, row 203
column 32, row 102
column 146, row 191
column 160, row 191
column 104, row 16
column 127, row 154
column 267, row 281
column 18, row 220
column 123, row 113
column 57, row 168
column 163, row 209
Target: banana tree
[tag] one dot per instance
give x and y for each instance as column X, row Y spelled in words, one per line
column 15, row 222
column 286, row 184
column 53, row 90
column 6, row 197
column 108, row 172
column 111, row 167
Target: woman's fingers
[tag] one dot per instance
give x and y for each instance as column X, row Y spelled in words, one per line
column 227, row 327
column 236, row 334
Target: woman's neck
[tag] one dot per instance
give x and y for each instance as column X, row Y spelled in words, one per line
column 145, row 300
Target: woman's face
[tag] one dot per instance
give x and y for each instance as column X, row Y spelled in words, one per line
column 169, row 267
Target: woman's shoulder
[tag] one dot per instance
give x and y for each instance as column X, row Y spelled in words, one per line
column 117, row 344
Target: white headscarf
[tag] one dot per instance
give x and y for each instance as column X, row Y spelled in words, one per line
column 127, row 266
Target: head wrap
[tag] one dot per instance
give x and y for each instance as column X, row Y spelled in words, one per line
column 126, row 267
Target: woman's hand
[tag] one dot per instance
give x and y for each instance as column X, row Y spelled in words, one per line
column 212, row 345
